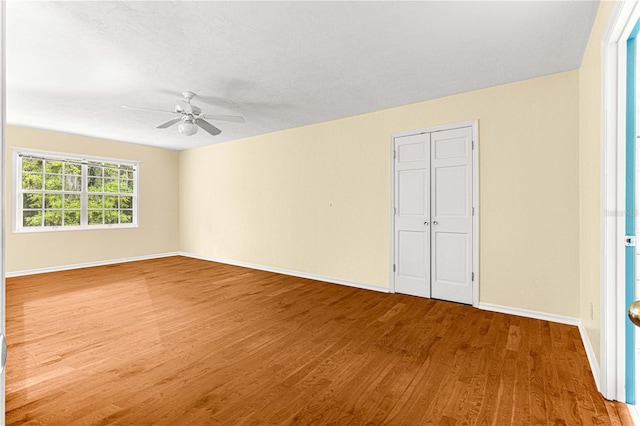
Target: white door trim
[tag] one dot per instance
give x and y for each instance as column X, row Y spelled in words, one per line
column 612, row 183
column 476, row 218
column 3, row 122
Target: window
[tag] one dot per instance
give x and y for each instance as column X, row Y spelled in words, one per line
column 67, row 192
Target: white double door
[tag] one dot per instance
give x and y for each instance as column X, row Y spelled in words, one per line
column 434, row 215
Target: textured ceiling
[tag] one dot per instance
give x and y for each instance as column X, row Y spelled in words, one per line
column 71, row 65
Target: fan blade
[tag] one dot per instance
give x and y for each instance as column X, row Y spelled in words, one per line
column 147, row 109
column 208, row 127
column 234, row 118
column 169, row 123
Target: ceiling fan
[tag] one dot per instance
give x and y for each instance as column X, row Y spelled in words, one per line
column 191, row 117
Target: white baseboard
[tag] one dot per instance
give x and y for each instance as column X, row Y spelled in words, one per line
column 591, row 355
column 288, row 272
column 529, row 314
column 87, row 264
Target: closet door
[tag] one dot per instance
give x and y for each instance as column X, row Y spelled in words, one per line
column 412, row 205
column 451, row 215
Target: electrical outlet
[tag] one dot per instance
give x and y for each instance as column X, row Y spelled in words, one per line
column 591, row 310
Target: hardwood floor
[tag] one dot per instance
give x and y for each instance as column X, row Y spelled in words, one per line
column 178, row 341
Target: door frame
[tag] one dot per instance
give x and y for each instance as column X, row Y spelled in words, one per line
column 612, row 177
column 475, row 234
column 3, row 122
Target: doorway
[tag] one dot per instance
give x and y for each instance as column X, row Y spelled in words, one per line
column 434, row 213
column 632, row 255
column 618, row 209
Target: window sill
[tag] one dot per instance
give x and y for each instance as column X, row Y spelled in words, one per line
column 71, row 228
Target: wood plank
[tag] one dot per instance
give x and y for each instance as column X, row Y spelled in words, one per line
column 183, row 341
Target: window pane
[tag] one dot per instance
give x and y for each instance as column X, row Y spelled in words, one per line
column 53, row 182
column 31, row 165
column 95, row 217
column 72, row 201
column 95, row 201
column 111, row 185
column 111, row 202
column 53, row 218
column 31, row 201
column 95, row 184
column 71, row 217
column 32, row 181
column 72, row 169
column 124, row 174
column 52, row 201
column 126, row 186
column 95, row 171
column 32, row 218
column 126, row 202
column 72, row 183
column 53, row 167
column 126, row 216
column 109, row 172
column 111, row 216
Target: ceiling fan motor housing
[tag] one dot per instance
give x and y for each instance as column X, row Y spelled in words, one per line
column 188, row 95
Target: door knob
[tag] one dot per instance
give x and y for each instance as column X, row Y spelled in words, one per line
column 634, row 313
column 426, row 223
column 435, row 223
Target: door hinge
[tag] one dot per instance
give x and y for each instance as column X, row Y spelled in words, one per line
column 473, row 211
column 394, row 267
column 473, row 144
column 473, row 276
column 394, row 153
column 630, row 240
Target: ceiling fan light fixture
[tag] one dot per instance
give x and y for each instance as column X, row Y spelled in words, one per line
column 187, row 128
column 189, row 119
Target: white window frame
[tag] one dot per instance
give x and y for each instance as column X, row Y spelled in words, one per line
column 86, row 161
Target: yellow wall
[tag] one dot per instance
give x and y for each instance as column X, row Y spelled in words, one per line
column 158, row 231
column 315, row 199
column 590, row 244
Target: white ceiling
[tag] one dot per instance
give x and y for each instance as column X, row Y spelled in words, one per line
column 71, row 65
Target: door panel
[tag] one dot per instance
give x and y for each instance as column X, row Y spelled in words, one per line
column 410, row 150
column 411, row 194
column 451, row 191
column 410, row 266
column 452, row 147
column 451, row 267
column 413, row 207
column 451, row 215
